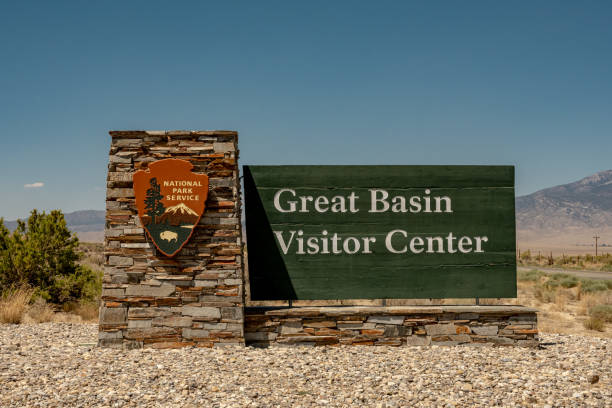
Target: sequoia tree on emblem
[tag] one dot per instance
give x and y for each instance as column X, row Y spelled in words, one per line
column 170, row 199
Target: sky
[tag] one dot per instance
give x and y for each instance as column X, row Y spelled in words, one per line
column 314, row 82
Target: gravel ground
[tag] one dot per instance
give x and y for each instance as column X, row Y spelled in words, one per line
column 57, row 365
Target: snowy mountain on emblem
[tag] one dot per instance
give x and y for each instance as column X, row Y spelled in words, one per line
column 180, row 208
column 179, row 214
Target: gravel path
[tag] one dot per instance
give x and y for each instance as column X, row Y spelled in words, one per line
column 56, row 365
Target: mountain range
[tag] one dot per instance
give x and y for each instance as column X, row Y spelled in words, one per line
column 586, row 203
column 556, row 217
column 566, row 219
column 87, row 224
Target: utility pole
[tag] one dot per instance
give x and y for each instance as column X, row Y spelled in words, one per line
column 596, row 239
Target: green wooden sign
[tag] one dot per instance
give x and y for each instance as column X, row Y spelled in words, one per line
column 376, row 232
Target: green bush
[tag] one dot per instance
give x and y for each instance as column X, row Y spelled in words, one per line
column 602, row 312
column 562, row 280
column 595, row 285
column 532, row 275
column 42, row 253
column 83, row 285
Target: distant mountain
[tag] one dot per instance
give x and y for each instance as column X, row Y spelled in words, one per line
column 88, row 224
column 584, row 204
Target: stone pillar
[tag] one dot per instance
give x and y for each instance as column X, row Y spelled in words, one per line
column 196, row 297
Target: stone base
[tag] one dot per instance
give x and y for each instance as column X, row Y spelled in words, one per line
column 196, row 297
column 392, row 326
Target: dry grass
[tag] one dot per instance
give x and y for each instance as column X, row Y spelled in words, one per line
column 92, row 255
column 87, row 311
column 84, row 311
column 594, row 323
column 563, row 297
column 14, row 303
column 39, row 312
column 15, row 308
column 562, row 309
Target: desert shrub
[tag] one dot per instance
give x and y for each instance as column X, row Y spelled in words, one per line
column 568, row 282
column 594, row 285
column 561, row 280
column 83, row 284
column 13, row 304
column 601, row 312
column 42, row 254
column 594, row 324
column 532, row 275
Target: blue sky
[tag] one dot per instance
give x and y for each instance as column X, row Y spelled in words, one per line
column 318, row 82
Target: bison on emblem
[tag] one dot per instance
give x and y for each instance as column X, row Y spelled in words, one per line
column 169, row 236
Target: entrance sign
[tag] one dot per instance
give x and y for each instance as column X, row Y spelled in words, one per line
column 369, row 232
column 170, row 201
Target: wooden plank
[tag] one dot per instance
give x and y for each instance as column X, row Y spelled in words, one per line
column 473, row 203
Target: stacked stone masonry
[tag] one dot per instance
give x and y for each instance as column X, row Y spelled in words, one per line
column 195, row 298
column 392, row 326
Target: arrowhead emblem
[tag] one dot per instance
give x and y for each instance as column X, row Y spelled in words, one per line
column 170, row 199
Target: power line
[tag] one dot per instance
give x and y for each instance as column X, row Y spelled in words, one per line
column 596, row 239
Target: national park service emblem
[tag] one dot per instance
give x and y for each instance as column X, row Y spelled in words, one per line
column 170, row 201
